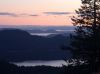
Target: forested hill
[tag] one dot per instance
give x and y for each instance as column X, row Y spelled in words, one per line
column 19, row 45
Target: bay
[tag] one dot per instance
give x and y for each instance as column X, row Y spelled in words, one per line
column 43, row 34
column 54, row 63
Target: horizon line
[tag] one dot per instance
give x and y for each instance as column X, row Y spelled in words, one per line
column 34, row 25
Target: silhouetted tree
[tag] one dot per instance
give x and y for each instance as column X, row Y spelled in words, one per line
column 86, row 40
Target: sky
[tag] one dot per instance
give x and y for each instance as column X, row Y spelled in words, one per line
column 38, row 12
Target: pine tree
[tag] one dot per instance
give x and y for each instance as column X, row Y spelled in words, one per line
column 86, row 40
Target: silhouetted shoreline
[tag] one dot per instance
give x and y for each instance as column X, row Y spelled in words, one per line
column 8, row 68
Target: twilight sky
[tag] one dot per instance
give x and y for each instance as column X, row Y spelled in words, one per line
column 37, row 12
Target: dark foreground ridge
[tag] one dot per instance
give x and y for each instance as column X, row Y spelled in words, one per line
column 7, row 68
column 19, row 45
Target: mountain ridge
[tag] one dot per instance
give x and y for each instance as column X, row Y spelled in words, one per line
column 18, row 45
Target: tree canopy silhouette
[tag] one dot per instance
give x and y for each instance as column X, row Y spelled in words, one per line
column 86, row 40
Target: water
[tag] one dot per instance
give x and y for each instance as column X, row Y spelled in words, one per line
column 43, row 34
column 54, row 63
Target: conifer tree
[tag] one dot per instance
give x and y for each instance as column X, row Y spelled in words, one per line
column 85, row 43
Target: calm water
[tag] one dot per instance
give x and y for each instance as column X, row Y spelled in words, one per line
column 55, row 63
column 43, row 34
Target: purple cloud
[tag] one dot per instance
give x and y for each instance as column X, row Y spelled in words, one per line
column 33, row 15
column 8, row 14
column 58, row 13
column 16, row 15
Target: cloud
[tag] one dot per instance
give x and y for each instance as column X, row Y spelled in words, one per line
column 16, row 15
column 33, row 15
column 8, row 14
column 26, row 14
column 58, row 13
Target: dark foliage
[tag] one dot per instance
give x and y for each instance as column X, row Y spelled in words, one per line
column 86, row 41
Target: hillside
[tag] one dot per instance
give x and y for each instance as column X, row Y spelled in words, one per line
column 19, row 45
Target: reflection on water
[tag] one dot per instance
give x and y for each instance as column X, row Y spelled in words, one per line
column 55, row 63
column 43, row 34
